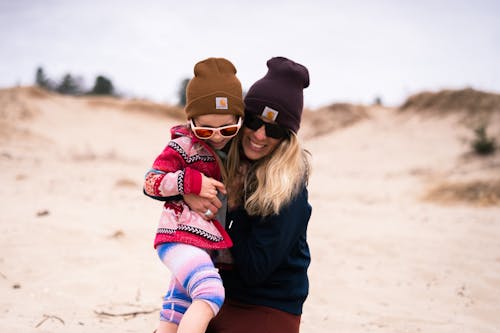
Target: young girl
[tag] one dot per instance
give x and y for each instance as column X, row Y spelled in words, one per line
column 191, row 164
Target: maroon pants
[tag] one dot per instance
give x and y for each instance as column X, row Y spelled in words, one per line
column 236, row 317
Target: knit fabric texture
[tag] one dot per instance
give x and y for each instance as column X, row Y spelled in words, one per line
column 278, row 96
column 214, row 89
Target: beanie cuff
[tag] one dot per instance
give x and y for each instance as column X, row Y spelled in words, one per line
column 285, row 118
column 207, row 104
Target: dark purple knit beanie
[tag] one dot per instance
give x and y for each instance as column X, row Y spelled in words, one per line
column 278, row 95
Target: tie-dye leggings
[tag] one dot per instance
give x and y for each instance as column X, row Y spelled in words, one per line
column 193, row 277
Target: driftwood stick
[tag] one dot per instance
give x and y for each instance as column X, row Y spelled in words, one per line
column 46, row 317
column 124, row 314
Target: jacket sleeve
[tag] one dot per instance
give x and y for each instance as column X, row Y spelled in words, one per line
column 261, row 247
column 170, row 176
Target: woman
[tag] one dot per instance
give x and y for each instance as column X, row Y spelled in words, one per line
column 265, row 272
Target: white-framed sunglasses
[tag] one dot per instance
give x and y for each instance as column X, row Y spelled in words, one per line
column 206, row 133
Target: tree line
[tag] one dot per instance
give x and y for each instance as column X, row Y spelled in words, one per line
column 73, row 85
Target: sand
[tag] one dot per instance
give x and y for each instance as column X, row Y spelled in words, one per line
column 76, row 234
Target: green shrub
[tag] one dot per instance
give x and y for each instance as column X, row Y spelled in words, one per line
column 482, row 144
column 102, row 86
column 182, row 92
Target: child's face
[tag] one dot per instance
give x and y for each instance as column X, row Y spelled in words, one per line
column 215, row 121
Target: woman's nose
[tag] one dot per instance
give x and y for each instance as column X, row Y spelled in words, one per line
column 260, row 133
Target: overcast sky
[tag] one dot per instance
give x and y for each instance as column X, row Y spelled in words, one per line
column 354, row 50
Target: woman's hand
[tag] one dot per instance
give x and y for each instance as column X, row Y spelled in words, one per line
column 203, row 205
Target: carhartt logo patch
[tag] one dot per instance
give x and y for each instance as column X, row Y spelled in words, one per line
column 269, row 113
column 221, row 103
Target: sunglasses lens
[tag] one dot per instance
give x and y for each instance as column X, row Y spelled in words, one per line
column 203, row 133
column 229, row 131
column 253, row 122
column 275, row 131
column 272, row 130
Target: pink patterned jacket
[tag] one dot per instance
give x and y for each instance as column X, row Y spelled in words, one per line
column 177, row 171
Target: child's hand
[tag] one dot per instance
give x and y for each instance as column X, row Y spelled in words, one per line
column 210, row 186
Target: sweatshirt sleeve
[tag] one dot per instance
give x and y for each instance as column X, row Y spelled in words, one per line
column 264, row 244
column 170, row 176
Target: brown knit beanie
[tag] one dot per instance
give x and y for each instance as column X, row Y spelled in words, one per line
column 214, row 89
column 279, row 95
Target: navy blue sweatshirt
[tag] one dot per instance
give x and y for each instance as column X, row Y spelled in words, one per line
column 271, row 257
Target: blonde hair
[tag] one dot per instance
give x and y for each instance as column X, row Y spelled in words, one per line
column 271, row 182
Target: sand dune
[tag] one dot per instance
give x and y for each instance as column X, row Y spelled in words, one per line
column 76, row 232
